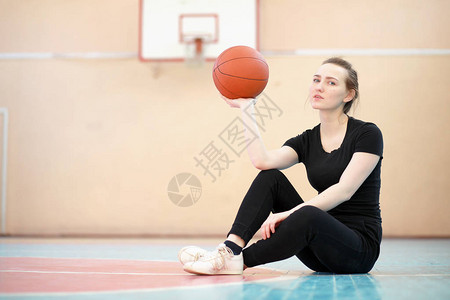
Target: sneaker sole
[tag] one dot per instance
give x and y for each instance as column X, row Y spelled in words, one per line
column 223, row 272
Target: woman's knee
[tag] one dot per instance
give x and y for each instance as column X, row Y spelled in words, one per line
column 269, row 173
column 270, row 176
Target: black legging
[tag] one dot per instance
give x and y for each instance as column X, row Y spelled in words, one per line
column 319, row 240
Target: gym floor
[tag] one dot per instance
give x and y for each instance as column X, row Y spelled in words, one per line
column 148, row 269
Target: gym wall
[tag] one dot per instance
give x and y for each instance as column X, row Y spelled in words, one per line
column 93, row 143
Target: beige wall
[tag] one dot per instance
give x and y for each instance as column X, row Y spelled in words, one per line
column 290, row 24
column 93, row 144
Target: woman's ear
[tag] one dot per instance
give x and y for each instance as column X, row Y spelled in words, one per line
column 350, row 96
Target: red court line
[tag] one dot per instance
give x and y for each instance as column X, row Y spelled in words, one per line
column 51, row 275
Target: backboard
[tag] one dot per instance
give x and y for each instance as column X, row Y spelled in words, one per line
column 179, row 30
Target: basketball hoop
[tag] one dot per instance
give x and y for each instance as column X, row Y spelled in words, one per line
column 195, row 52
column 169, row 29
column 198, row 46
column 196, row 32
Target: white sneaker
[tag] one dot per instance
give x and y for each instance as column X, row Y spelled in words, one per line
column 190, row 254
column 219, row 262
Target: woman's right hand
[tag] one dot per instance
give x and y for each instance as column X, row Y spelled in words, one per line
column 239, row 102
column 272, row 222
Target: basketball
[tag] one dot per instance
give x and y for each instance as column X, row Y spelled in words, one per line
column 240, row 72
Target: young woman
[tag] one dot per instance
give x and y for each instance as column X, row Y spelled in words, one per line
column 339, row 230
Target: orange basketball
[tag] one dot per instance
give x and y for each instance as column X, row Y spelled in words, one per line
column 240, row 72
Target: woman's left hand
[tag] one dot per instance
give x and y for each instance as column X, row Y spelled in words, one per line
column 272, row 222
column 239, row 103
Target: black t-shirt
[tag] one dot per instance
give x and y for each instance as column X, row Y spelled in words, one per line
column 362, row 210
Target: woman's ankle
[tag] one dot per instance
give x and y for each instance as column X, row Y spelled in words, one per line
column 236, row 239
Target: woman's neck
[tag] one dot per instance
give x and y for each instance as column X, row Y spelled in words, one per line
column 331, row 123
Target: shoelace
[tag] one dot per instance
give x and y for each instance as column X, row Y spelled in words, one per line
column 198, row 256
column 217, row 258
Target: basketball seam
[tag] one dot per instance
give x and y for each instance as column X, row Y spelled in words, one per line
column 224, row 86
column 234, row 76
column 263, row 61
